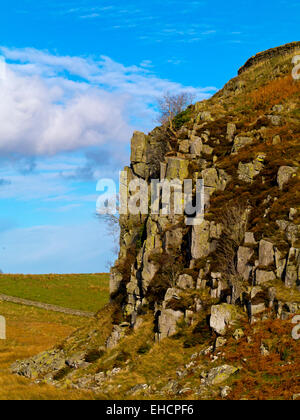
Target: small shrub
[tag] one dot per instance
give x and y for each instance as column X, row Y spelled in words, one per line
column 192, row 341
column 182, row 119
column 144, row 349
column 93, row 355
column 62, row 373
column 121, row 358
column 117, row 316
column 285, row 355
column 140, row 237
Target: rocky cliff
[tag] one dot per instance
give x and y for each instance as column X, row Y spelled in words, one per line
column 244, row 144
column 191, row 289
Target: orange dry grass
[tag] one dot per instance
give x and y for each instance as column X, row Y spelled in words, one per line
column 274, row 93
column 30, row 331
column 276, row 376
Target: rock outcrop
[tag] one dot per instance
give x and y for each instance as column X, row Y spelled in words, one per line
column 222, row 317
column 261, row 57
column 161, row 251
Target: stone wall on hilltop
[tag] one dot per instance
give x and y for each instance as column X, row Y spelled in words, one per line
column 287, row 49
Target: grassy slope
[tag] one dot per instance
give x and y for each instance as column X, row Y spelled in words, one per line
column 30, row 331
column 86, row 292
column 141, row 361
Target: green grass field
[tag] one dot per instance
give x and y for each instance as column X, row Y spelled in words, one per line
column 86, row 292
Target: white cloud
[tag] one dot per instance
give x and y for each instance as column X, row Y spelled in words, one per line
column 38, row 118
column 32, row 187
column 55, row 179
column 51, row 104
column 46, row 249
column 90, row 16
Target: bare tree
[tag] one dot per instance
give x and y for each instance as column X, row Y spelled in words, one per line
column 171, row 105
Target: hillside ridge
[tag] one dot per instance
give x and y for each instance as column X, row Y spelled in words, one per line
column 270, row 53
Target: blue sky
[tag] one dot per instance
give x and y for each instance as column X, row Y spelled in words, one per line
column 79, row 77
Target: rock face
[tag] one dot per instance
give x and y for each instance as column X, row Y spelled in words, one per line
column 138, row 154
column 266, row 253
column 264, row 277
column 220, row 374
column 41, row 365
column 185, row 282
column 201, row 246
column 167, row 324
column 116, row 335
column 177, row 169
column 222, row 317
column 250, row 239
column 244, row 257
column 248, row 171
column 161, row 252
column 215, row 180
column 115, row 281
column 285, row 173
column 292, row 277
column 241, row 142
